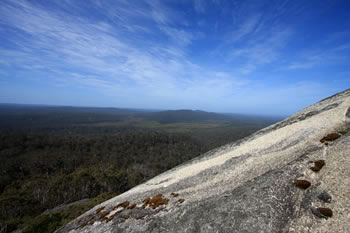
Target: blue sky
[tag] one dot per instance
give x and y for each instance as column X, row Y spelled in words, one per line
column 262, row 57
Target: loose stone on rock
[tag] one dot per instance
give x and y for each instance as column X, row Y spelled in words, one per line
column 322, row 212
column 303, row 184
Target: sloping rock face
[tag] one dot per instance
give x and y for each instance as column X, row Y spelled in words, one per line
column 247, row 186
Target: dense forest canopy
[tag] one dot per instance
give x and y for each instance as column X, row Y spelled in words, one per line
column 54, row 156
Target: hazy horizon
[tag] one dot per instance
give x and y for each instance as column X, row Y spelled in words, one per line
column 141, row 109
column 247, row 57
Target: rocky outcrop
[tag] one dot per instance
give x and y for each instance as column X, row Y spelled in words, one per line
column 252, row 185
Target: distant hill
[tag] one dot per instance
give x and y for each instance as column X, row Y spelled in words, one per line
column 183, row 115
column 21, row 116
column 45, row 109
column 24, row 117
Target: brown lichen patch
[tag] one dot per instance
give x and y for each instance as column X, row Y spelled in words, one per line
column 155, row 201
column 174, row 194
column 125, row 216
column 146, row 202
column 181, row 200
column 325, row 211
column 84, row 221
column 113, row 215
column 104, row 214
column 99, row 209
column 132, row 206
column 88, row 220
column 318, row 165
column 303, row 184
column 124, row 204
column 92, row 220
column 330, row 137
column 83, row 224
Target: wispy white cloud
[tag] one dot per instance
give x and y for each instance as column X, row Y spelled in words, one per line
column 336, row 36
column 247, row 27
column 199, row 6
column 106, row 58
column 261, row 50
column 160, row 13
column 342, row 47
column 178, row 36
column 256, row 37
column 305, row 65
column 315, row 57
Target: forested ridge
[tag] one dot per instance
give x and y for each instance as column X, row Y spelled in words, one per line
column 40, row 172
column 46, row 166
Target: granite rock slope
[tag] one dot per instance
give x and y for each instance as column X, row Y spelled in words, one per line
column 247, row 186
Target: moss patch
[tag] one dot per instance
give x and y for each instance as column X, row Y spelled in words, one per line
column 343, row 132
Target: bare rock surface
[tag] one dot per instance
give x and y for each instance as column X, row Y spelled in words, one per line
column 246, row 186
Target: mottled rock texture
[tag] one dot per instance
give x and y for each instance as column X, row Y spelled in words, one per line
column 246, row 186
